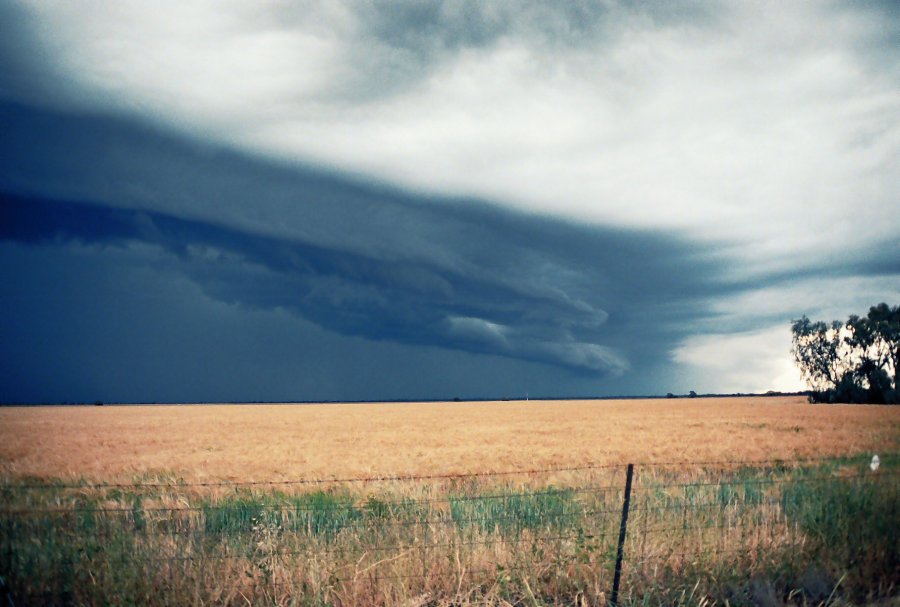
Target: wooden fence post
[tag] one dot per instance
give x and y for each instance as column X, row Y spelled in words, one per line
column 614, row 598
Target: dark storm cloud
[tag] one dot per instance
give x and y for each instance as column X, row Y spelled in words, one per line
column 131, row 241
column 356, row 259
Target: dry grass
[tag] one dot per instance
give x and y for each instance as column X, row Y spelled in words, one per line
column 272, row 442
column 698, row 535
column 695, row 538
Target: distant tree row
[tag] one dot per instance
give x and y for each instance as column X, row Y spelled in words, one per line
column 854, row 361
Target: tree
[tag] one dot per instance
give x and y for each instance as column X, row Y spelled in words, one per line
column 878, row 338
column 857, row 361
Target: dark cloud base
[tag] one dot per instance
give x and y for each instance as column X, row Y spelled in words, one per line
column 592, row 306
column 82, row 323
column 139, row 265
column 404, row 301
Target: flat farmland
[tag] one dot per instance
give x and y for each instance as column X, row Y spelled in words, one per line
column 695, row 528
column 278, row 442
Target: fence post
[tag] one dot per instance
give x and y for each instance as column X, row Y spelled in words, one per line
column 614, row 598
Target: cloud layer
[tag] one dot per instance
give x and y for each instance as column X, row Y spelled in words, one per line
column 611, row 198
column 356, row 259
column 763, row 127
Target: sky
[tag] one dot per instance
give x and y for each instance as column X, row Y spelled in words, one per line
column 305, row 201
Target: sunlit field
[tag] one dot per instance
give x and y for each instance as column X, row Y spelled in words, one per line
column 733, row 501
column 276, row 442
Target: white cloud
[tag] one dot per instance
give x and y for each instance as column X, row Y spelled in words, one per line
column 756, row 361
column 767, row 128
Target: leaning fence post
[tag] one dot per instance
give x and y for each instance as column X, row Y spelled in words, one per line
column 614, row 598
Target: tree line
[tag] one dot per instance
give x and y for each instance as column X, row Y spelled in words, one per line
column 852, row 361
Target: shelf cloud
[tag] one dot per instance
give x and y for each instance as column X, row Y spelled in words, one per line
column 591, row 196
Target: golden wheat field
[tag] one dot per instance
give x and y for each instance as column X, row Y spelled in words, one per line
column 277, row 442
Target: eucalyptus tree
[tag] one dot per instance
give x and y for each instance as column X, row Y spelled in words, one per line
column 857, row 360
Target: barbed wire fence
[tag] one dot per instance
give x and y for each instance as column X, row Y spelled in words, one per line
column 604, row 534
